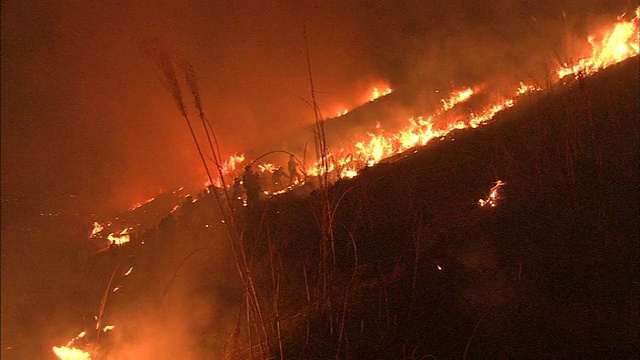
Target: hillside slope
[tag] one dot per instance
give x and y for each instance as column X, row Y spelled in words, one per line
column 401, row 262
column 414, row 267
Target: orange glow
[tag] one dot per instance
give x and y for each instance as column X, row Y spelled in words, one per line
column 120, row 238
column 618, row 43
column 70, row 353
column 267, row 167
column 231, row 165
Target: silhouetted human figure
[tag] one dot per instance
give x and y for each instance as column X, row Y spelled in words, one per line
column 251, row 185
column 235, row 195
column 293, row 170
column 277, row 176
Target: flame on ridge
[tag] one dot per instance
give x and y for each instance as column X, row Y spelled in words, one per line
column 457, row 97
column 618, row 43
column 140, row 204
column 376, row 94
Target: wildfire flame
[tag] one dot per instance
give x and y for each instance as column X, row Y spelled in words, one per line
column 267, row 167
column 229, row 166
column 492, row 199
column 344, row 112
column 376, row 94
column 141, row 204
column 120, row 238
column 97, row 228
column 456, row 98
column 618, row 43
column 70, row 353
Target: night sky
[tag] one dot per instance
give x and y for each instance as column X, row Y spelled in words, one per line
column 88, row 127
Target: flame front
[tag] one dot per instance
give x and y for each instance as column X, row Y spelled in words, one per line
column 456, row 98
column 376, row 94
column 141, row 204
column 618, row 43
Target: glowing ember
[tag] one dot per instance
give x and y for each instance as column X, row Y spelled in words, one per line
column 120, row 238
column 97, row 228
column 492, row 199
column 108, row 328
column 617, row 43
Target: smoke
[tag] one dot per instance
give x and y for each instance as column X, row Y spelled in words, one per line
column 90, row 96
column 89, row 128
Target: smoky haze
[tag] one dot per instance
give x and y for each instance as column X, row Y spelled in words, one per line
column 89, row 127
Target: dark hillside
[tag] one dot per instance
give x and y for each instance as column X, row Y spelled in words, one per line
column 415, row 267
column 403, row 263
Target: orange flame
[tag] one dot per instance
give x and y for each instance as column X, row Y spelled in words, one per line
column 456, row 98
column 97, row 228
column 376, row 94
column 492, row 199
column 120, row 238
column 618, row 43
column 70, row 353
column 140, row 204
column 232, row 163
column 267, row 167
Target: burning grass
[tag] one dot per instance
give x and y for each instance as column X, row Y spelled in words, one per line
column 408, row 261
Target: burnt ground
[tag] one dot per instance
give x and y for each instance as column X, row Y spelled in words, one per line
column 409, row 266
